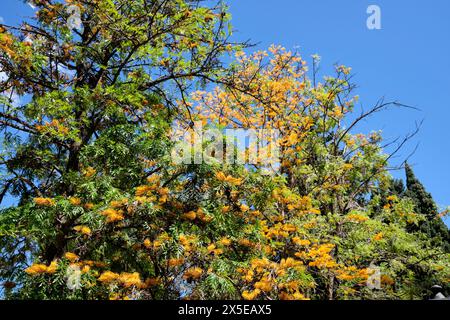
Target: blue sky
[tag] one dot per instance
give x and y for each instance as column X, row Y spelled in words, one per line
column 407, row 60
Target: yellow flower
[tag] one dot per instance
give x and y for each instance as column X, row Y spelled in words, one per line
column 244, row 208
column 245, row 242
column 114, row 218
column 378, row 236
column 225, row 241
column 143, row 190
column 130, row 279
column 301, row 242
column 118, row 203
column 173, row 262
column 251, row 295
column 83, row 229
column 347, row 166
column 392, row 198
column 225, row 209
column 211, row 247
column 193, row 273
column 36, row 269
column 264, row 285
column 44, row 202
column 221, row 176
column 72, row 257
column 357, row 217
column 147, row 243
column 112, row 215
column 229, row 179
column 75, row 201
column 51, row 269
column 108, row 276
column 89, row 172
column 299, row 296
column 88, row 206
column 191, row 215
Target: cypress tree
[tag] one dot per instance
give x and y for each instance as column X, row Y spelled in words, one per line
column 434, row 227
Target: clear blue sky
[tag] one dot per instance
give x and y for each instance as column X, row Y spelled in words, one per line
column 407, row 60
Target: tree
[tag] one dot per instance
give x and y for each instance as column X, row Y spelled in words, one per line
column 432, row 226
column 98, row 106
column 105, row 212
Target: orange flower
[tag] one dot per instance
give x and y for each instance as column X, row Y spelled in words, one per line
column 151, row 282
column 191, row 215
column 264, row 285
column 173, row 262
column 72, row 257
column 112, row 215
column 251, row 295
column 143, row 190
column 228, row 179
column 83, row 230
column 193, row 273
column 301, row 242
column 36, row 269
column 130, row 279
column 244, row 208
column 89, row 172
column 108, row 276
column 89, row 206
column 245, row 242
column 44, row 202
column 75, row 201
column 225, row 209
column 357, row 217
column 51, row 269
column 147, row 243
column 225, row 241
column 378, row 236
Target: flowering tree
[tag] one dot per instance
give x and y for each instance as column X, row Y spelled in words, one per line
column 105, row 212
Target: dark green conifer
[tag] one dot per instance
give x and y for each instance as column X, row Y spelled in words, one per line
column 432, row 225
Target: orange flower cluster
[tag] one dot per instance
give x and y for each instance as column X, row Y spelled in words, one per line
column 188, row 243
column 112, row 215
column 175, row 262
column 266, row 276
column 44, row 202
column 75, row 201
column 199, row 214
column 352, row 273
column 83, row 230
column 39, row 268
column 54, row 126
column 354, row 217
column 72, row 257
column 228, row 179
column 193, row 273
column 125, row 279
column 320, row 256
column 379, row 236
